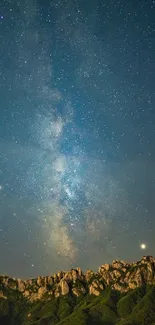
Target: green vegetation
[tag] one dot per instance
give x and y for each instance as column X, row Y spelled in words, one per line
column 136, row 307
column 127, row 303
column 12, row 309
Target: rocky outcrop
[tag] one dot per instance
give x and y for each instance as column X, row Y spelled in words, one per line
column 2, row 295
column 89, row 275
column 77, row 291
column 119, row 275
column 64, row 287
column 95, row 288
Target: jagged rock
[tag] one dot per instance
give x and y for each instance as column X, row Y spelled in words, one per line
column 74, row 275
column 119, row 287
column 148, row 259
column 95, row 288
column 49, row 280
column 57, row 292
column 118, row 264
column 21, row 285
column 106, row 276
column 120, row 275
column 2, row 295
column 89, row 274
column 116, row 274
column 55, row 277
column 26, row 293
column 68, row 276
column 71, row 275
column 40, row 281
column 127, row 274
column 41, row 292
column 79, row 271
column 30, row 282
column 78, row 288
column 104, row 267
column 64, row 287
column 60, row 275
column 132, row 285
column 12, row 283
column 76, row 292
column 35, row 295
column 4, row 280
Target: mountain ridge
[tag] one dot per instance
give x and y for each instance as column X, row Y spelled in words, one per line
column 120, row 275
column 119, row 293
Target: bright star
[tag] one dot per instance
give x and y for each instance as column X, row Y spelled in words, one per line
column 143, row 246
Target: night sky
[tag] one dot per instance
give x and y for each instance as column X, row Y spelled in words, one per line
column 77, row 134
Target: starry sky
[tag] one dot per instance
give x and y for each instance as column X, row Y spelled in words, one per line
column 77, row 134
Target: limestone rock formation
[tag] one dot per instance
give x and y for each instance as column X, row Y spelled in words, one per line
column 64, row 287
column 95, row 288
column 119, row 275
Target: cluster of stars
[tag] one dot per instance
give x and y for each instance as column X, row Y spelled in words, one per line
column 77, row 136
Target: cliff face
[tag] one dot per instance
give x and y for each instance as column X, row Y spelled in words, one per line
column 121, row 276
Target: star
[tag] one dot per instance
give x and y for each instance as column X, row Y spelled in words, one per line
column 77, row 137
column 143, row 246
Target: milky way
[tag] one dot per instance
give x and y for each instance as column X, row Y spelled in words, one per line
column 77, row 134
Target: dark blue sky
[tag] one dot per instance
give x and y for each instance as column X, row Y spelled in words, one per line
column 77, row 133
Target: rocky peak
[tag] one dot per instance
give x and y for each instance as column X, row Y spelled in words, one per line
column 119, row 275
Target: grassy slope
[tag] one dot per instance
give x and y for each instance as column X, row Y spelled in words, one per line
column 137, row 307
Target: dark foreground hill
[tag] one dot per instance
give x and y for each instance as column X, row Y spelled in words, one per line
column 119, row 293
